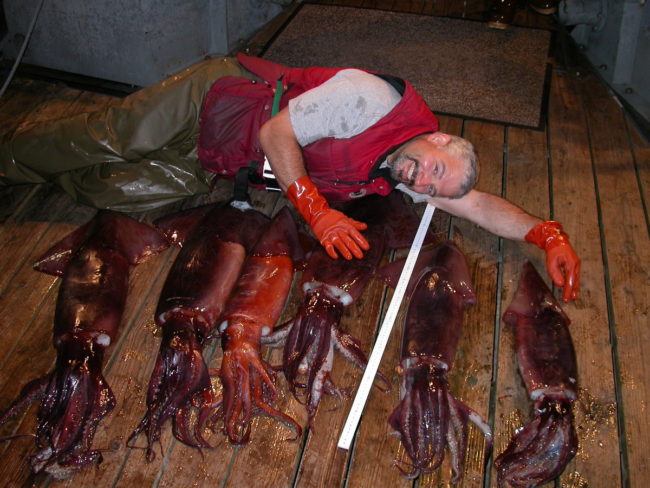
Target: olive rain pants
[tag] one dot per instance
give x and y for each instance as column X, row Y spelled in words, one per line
column 135, row 155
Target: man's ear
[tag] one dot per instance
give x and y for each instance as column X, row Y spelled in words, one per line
column 439, row 138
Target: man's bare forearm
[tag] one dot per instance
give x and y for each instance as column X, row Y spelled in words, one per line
column 491, row 212
column 282, row 150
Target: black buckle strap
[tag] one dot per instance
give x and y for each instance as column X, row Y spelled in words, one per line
column 249, row 174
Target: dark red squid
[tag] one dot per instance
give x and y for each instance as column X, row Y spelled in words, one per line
column 94, row 263
column 539, row 451
column 428, row 417
column 330, row 285
column 252, row 312
column 215, row 240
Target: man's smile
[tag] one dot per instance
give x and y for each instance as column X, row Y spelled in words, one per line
column 408, row 172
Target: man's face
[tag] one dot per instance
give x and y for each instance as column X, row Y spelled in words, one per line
column 423, row 166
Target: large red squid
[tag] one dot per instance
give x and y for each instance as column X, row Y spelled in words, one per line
column 539, row 451
column 428, row 417
column 215, row 242
column 252, row 312
column 328, row 287
column 94, row 262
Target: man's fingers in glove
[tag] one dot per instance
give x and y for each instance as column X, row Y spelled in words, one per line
column 565, row 273
column 357, row 225
column 343, row 243
column 554, row 268
column 329, row 249
column 571, row 282
column 360, row 241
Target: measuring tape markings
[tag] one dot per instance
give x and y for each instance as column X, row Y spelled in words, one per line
column 384, row 332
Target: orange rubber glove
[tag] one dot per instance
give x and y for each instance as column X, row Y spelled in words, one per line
column 333, row 229
column 562, row 262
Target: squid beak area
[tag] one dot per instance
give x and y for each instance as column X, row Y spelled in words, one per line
column 74, row 401
column 63, row 467
column 308, row 344
column 540, row 451
column 236, row 403
column 178, row 383
column 248, row 390
column 422, row 419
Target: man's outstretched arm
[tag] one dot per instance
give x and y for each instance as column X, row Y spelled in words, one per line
column 505, row 219
column 334, row 230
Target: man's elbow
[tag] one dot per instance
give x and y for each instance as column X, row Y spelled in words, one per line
column 265, row 132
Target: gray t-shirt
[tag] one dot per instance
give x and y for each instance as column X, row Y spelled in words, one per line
column 342, row 107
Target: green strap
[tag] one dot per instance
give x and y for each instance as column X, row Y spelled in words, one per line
column 276, row 99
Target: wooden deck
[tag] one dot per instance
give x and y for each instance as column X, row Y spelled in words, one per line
column 589, row 169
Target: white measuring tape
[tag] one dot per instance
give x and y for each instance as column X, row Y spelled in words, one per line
column 368, row 378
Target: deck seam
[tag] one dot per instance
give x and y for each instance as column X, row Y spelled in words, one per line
column 611, row 320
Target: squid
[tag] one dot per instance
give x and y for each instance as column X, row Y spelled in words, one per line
column 215, row 241
column 428, row 417
column 330, row 285
column 540, row 451
column 252, row 312
column 94, row 263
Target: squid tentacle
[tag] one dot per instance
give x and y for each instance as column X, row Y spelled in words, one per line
column 540, row 450
column 309, row 350
column 319, row 374
column 180, row 380
column 350, row 347
column 279, row 334
column 32, row 391
column 429, row 418
column 74, row 399
column 248, row 389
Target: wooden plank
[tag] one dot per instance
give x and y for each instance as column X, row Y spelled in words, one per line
column 11, row 198
column 575, row 206
column 627, row 253
column 470, row 378
column 257, row 44
column 22, row 97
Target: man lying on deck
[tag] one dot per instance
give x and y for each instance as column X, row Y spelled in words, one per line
column 328, row 135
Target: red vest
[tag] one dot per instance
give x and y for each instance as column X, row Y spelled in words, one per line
column 235, row 108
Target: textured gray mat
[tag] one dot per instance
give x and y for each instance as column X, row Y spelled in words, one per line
column 460, row 67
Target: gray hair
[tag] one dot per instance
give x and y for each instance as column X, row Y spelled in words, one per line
column 464, row 150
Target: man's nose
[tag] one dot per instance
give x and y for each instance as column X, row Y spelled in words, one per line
column 424, row 177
